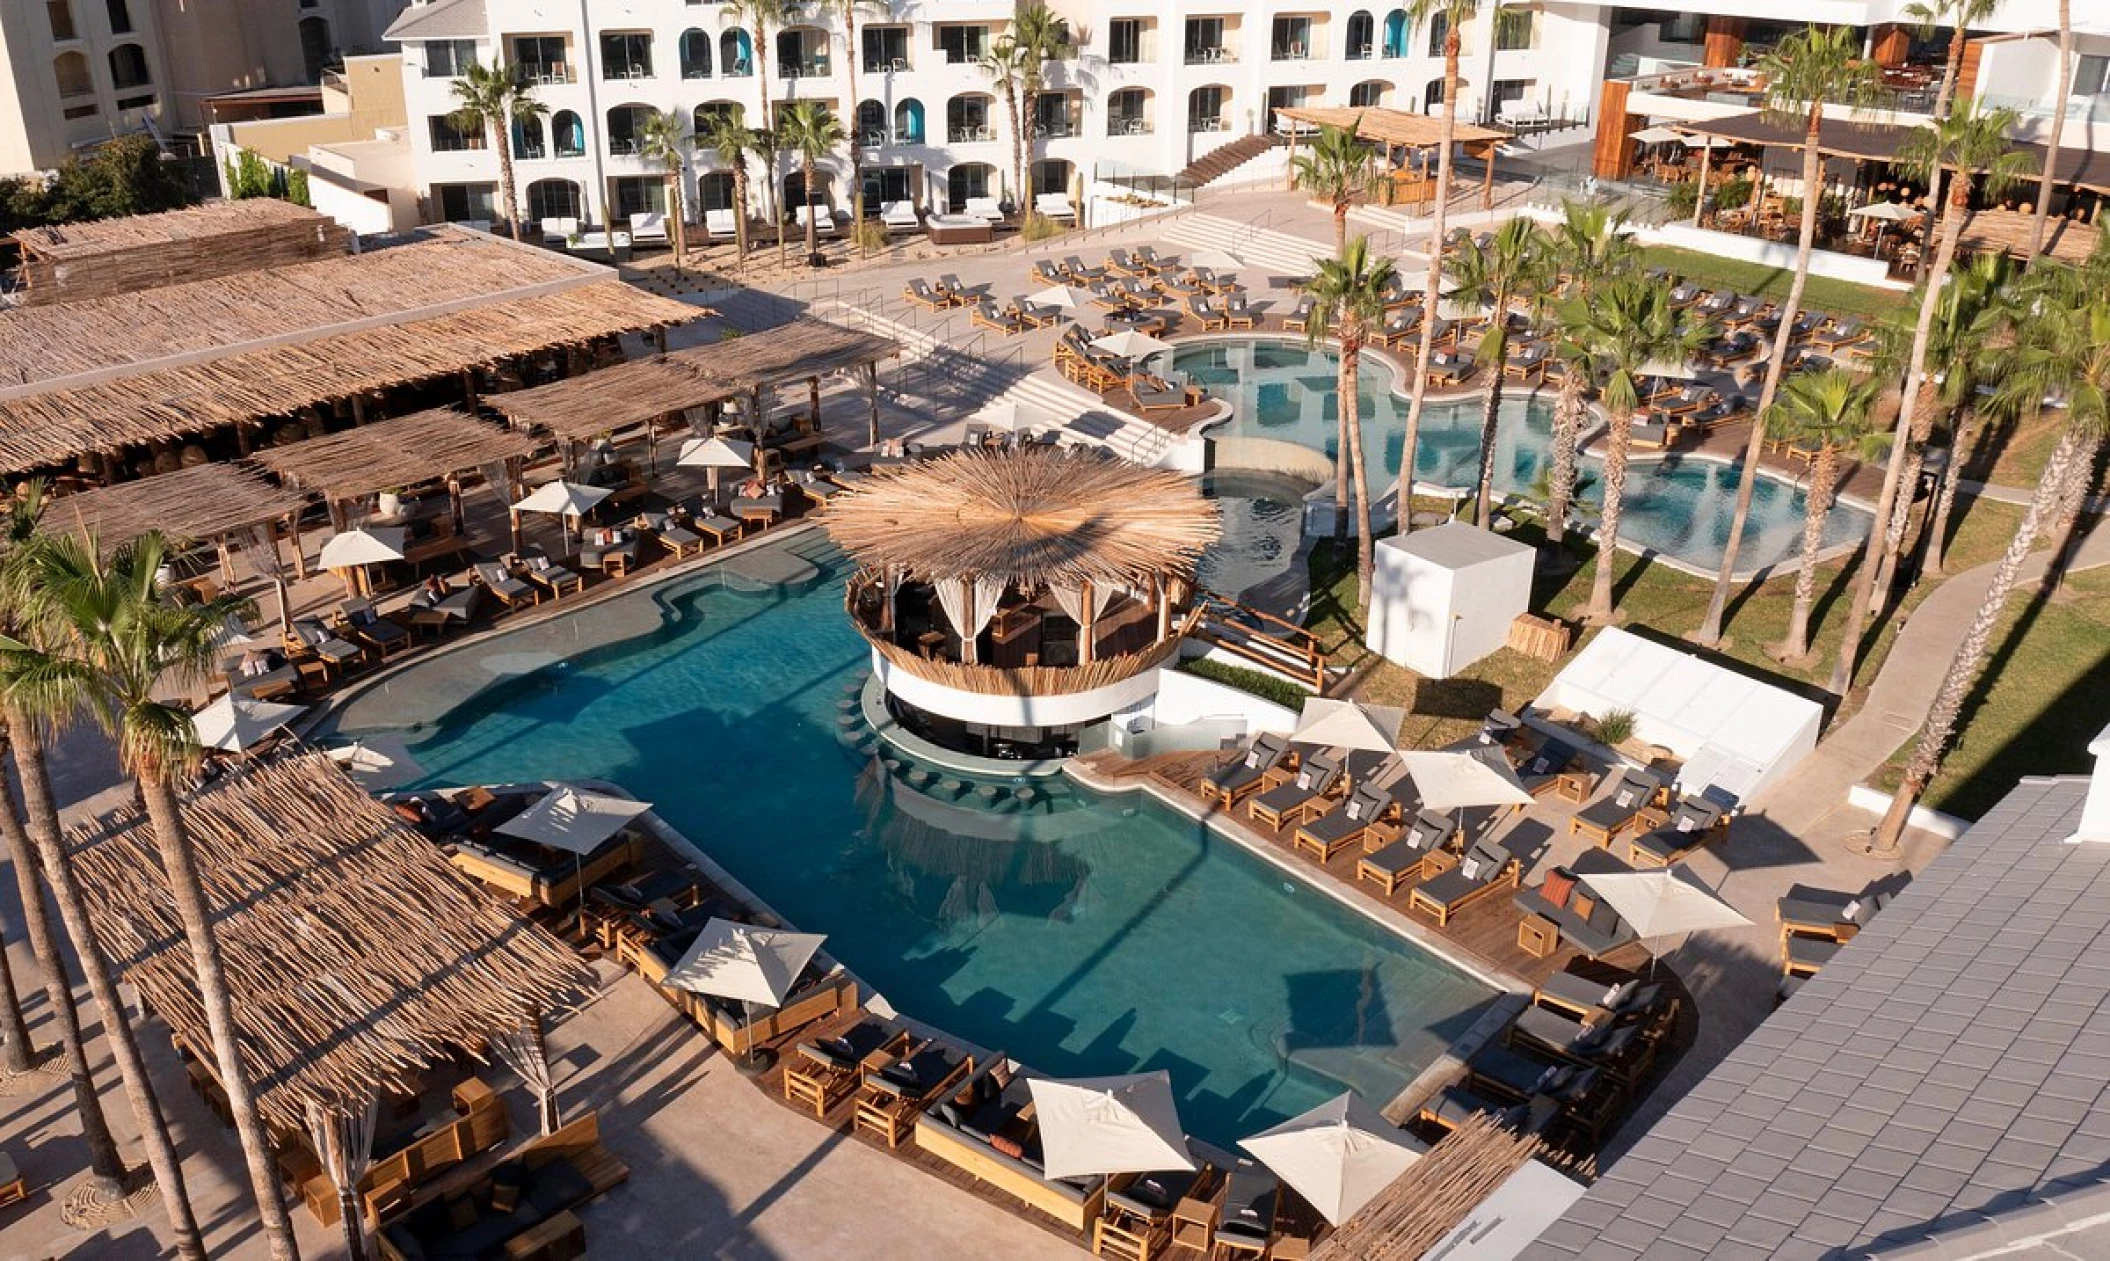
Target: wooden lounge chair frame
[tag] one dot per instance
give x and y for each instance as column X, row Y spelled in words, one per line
column 1511, row 877
column 892, row 1118
column 811, row 1084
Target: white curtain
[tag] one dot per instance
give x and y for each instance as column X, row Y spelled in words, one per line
column 1071, row 601
column 522, row 1050
column 344, row 1143
column 969, row 606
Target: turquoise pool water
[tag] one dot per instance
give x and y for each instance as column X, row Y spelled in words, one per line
column 1677, row 507
column 1083, row 934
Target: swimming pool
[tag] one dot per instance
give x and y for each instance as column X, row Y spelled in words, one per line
column 1263, row 523
column 1082, row 933
column 1678, row 507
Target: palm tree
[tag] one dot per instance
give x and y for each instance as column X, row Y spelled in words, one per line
column 1588, row 247
column 809, row 131
column 1005, row 64
column 728, row 136
column 137, row 646
column 852, row 54
column 1971, row 311
column 1513, row 265
column 1811, row 68
column 760, row 15
column 2058, row 129
column 663, row 141
column 1831, row 411
column 1348, row 294
column 1926, row 16
column 2064, row 351
column 1041, row 36
column 495, row 97
column 1625, row 325
column 1966, row 141
column 1334, row 168
column 1454, row 14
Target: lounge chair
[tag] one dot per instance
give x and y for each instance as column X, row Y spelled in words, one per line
column 1837, row 335
column 366, row 626
column 721, row 225
column 1622, row 1050
column 1046, row 272
column 1206, row 279
column 1034, row 314
column 1055, row 206
column 552, row 577
column 1500, row 1072
column 1746, row 309
column 1156, row 394
column 1147, row 256
column 1527, row 363
column 1690, row 398
column 1299, row 318
column 1722, row 411
column 670, row 533
column 1803, row 359
column 987, row 209
column 1237, row 313
column 1119, row 263
column 309, row 637
column 1564, row 901
column 920, row 292
column 1400, row 325
column 899, row 216
column 1082, row 271
column 648, row 226
column 1344, row 825
column 1655, row 433
column 1391, row 865
column 1736, row 347
column 986, row 315
column 1632, row 998
column 1486, row 867
column 1685, row 293
column 1205, row 310
column 1450, row 367
column 1711, row 305
column 1286, row 805
column 1826, row 915
column 503, row 586
column 1226, row 785
column 1453, row 1106
column 1541, row 771
column 1805, row 956
column 1620, row 808
column 1248, row 1222
column 1695, row 823
column 824, row 1071
column 891, row 1095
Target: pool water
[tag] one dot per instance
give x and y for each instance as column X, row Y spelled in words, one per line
column 1083, row 934
column 1679, row 507
column 1263, row 523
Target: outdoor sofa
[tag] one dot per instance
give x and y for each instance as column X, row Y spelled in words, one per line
column 978, row 1129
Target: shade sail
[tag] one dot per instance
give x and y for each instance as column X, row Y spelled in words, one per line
column 1461, row 780
column 354, row 548
column 1655, row 135
column 1129, row 344
column 1349, row 725
column 1665, row 902
column 716, row 453
column 1105, row 1125
column 233, row 724
column 745, row 963
column 573, row 821
column 567, row 498
column 378, row 763
column 1338, row 1156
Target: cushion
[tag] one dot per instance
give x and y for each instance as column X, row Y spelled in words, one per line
column 409, row 811
column 1625, row 796
column 1008, row 1146
column 1559, row 884
column 557, row 1186
column 1619, row 994
column 1471, row 867
column 1603, row 918
column 461, row 1214
column 1852, row 913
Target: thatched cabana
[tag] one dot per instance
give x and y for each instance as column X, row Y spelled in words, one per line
column 1435, row 1193
column 1398, row 129
column 70, row 262
column 206, row 503
column 404, row 451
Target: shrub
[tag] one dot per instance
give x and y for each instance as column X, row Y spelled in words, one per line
column 1254, row 682
column 870, row 236
column 1733, row 194
column 1616, row 728
column 1683, row 198
column 1038, row 227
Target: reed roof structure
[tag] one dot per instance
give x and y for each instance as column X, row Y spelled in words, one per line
column 402, row 451
column 355, row 955
column 70, row 261
column 1880, row 142
column 1393, row 127
column 2008, row 231
column 1039, row 516
column 1435, row 1193
column 167, row 363
column 204, row 501
column 645, row 389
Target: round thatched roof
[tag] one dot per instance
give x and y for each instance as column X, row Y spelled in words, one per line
column 1038, row 515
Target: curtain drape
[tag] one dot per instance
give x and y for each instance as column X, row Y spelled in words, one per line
column 969, row 606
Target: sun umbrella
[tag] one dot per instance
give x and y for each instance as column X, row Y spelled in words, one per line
column 1708, row 142
column 354, row 548
column 1655, row 135
column 573, row 821
column 1338, row 1156
column 715, row 454
column 565, row 498
column 1105, row 1125
column 230, row 635
column 234, row 724
column 378, row 763
column 1129, row 344
column 1067, row 297
column 745, row 963
column 1886, row 212
column 1665, row 902
column 1460, row 780
column 1349, row 725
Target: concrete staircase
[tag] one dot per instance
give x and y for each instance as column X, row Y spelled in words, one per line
column 1262, row 248
column 1219, row 162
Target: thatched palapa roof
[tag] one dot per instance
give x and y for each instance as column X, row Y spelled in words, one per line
column 1435, row 1193
column 646, row 389
column 202, row 502
column 391, row 453
column 1040, row 516
column 355, row 955
column 1392, row 126
column 2008, row 231
column 1880, row 142
column 67, row 241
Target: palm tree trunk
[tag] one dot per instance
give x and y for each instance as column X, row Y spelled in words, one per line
column 1945, row 494
column 1956, row 685
column 857, row 148
column 2058, row 130
column 812, row 222
column 1340, row 227
column 1908, row 483
column 1567, row 435
column 1618, row 440
column 105, row 1162
column 675, row 202
column 16, row 1052
column 1710, row 632
column 503, row 143
column 1950, row 70
column 1018, row 151
column 1418, row 389
column 2064, row 525
column 167, row 1167
column 188, row 893
column 1490, row 424
column 1817, row 505
column 1365, row 546
column 740, row 195
column 768, row 130
column 1866, row 595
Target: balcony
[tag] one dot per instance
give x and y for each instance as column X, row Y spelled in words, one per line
column 546, row 74
column 626, row 72
column 1208, row 123
column 806, row 68
column 1129, row 125
column 970, row 133
column 1209, row 55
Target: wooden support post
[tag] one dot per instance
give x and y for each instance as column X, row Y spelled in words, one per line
column 358, row 410
column 1163, row 591
column 1086, row 632
column 469, row 388
column 454, row 504
column 226, row 560
column 241, row 439
column 1290, row 175
column 872, row 398
column 515, row 514
column 300, row 558
column 1699, row 203
column 659, row 339
column 1487, row 180
column 813, row 401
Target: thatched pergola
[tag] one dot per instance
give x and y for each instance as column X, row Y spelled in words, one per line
column 206, row 503
column 69, row 262
column 2008, row 232
column 1435, row 1193
column 1398, row 129
column 442, row 443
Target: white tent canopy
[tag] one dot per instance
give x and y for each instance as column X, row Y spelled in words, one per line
column 564, row 498
column 1338, row 1156
column 1106, row 1125
column 1512, row 1217
column 234, row 724
column 745, row 963
column 1349, row 725
column 378, row 763
column 573, row 821
column 1458, row 780
column 1733, row 732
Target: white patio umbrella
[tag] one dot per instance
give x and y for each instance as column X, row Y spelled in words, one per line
column 1708, row 142
column 1886, row 212
column 1655, row 135
column 1107, row 1125
column 378, row 763
column 1130, row 344
column 1448, row 780
column 234, row 724
column 1067, row 297
column 230, row 635
column 745, row 964
column 1338, row 1156
column 1665, row 902
column 350, row 552
column 714, row 454
column 569, row 501
column 1349, row 725
column 574, row 821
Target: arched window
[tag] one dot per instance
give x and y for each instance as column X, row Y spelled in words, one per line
column 1128, row 113
column 317, row 48
column 1369, row 94
column 871, row 123
column 969, row 179
column 1362, row 35
column 570, row 134
column 1395, row 44
column 736, row 54
column 1207, row 109
column 626, row 127
column 75, row 79
column 554, row 199
column 908, row 121
column 695, row 54
column 710, row 110
column 1439, row 26
column 1051, row 175
column 527, row 139
column 1432, row 96
column 128, row 67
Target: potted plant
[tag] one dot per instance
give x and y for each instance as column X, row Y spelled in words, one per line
column 389, row 503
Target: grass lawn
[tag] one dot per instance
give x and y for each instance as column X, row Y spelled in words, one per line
column 1839, row 297
column 2024, row 718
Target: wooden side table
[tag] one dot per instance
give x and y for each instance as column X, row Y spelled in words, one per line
column 1574, row 786
column 559, row 1238
column 1538, row 936
column 1194, row 1225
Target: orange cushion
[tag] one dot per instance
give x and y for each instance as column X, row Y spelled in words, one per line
column 1559, row 884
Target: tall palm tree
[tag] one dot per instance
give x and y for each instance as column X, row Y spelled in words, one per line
column 495, row 97
column 1928, row 16
column 734, row 143
column 1454, row 14
column 1974, row 145
column 1973, row 309
column 1831, row 411
column 1005, row 64
column 2064, row 351
column 852, row 55
column 1041, row 36
column 1811, row 68
column 1348, row 294
column 1334, row 168
column 760, row 15
column 2057, row 137
column 810, row 132
column 1588, row 247
column 137, row 646
column 1625, row 325
column 663, row 141
column 1514, row 265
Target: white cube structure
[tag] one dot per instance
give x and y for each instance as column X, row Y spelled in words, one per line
column 1444, row 597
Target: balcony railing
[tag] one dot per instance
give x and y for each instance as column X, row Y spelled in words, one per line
column 1290, row 52
column 971, row 133
column 1209, row 55
column 1128, row 125
column 885, row 65
column 806, row 68
column 546, row 73
column 1200, row 125
column 623, row 146
column 629, row 71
